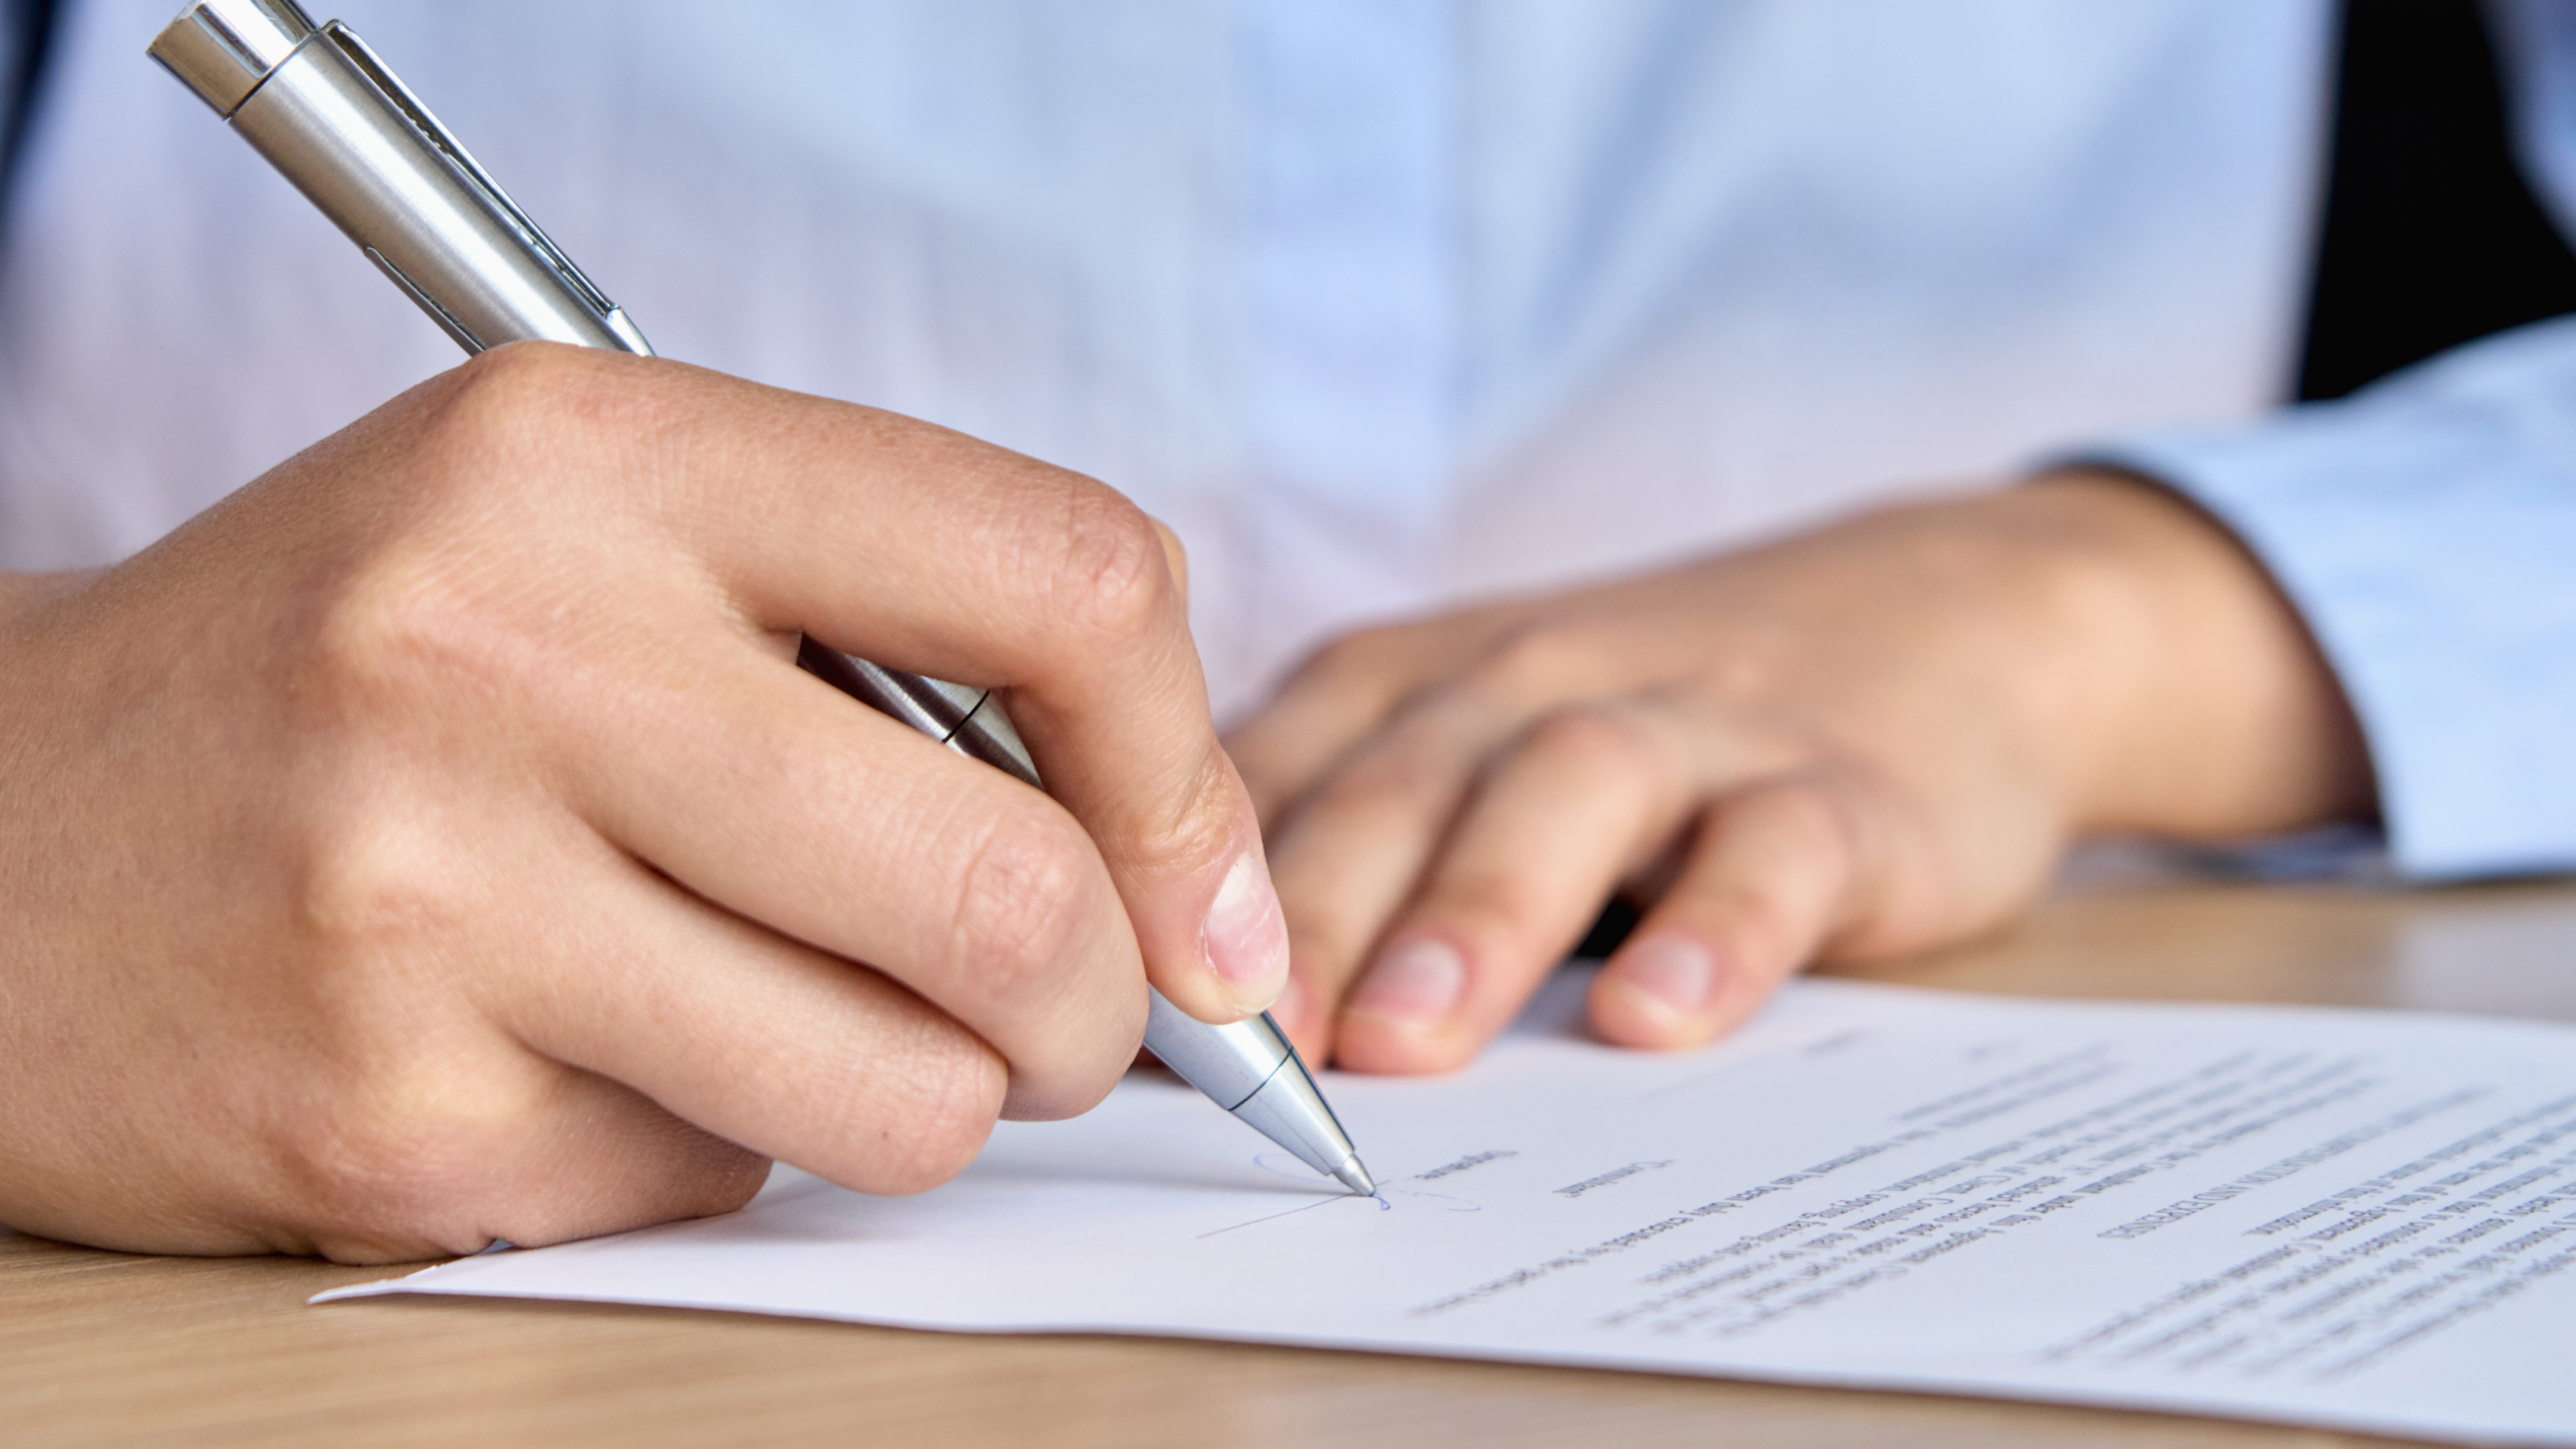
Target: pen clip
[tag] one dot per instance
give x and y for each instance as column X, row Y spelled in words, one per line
column 382, row 76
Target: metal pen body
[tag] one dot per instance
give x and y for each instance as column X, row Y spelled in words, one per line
column 337, row 123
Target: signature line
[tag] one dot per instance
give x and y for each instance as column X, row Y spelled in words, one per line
column 1292, row 1212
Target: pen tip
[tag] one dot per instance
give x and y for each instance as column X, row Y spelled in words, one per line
column 1356, row 1177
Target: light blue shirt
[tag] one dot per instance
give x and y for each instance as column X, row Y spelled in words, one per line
column 2426, row 530
column 1390, row 303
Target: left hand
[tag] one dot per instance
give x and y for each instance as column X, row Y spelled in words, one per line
column 1866, row 740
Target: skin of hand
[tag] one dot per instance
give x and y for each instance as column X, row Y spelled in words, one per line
column 435, row 841
column 1866, row 740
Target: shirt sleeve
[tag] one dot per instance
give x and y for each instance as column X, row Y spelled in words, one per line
column 2426, row 530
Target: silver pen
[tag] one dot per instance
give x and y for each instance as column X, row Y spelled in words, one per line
column 332, row 118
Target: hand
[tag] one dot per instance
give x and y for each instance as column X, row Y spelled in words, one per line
column 1863, row 741
column 435, row 842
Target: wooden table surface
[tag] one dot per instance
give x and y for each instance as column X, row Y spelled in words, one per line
column 106, row 1348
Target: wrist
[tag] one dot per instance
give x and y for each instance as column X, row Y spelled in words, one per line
column 2199, row 706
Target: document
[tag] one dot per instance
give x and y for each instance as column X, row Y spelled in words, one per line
column 2348, row 1218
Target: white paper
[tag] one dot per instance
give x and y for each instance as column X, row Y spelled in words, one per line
column 2360, row 1219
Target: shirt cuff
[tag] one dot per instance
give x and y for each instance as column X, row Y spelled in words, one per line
column 2426, row 530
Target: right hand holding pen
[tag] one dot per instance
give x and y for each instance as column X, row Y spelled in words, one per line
column 436, row 843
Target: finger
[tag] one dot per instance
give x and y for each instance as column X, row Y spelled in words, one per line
column 1327, row 705
column 1355, row 849
column 766, row 792
column 1578, row 801
column 1067, row 599
column 753, row 1038
column 576, row 1155
column 927, row 551
column 1773, row 875
column 1358, row 685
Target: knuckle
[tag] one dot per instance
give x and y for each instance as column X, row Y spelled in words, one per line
column 1819, row 813
column 1809, row 841
column 374, row 879
column 1497, row 904
column 399, row 1153
column 1024, row 894
column 1200, row 828
column 1113, row 579
column 501, row 429
column 1398, row 776
column 509, row 393
column 1537, row 660
column 1761, row 907
column 1596, row 738
column 412, row 615
column 950, row 1092
column 461, row 584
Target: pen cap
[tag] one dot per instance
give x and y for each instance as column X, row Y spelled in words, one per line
column 337, row 123
column 223, row 49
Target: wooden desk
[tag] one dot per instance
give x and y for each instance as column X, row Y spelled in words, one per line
column 104, row 1348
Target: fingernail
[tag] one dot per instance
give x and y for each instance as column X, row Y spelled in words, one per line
column 1675, row 971
column 1417, row 983
column 1245, row 935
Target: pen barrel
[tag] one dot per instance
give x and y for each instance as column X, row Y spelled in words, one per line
column 326, row 125
column 963, row 717
column 344, row 131
column 1250, row 1069
column 1228, row 1063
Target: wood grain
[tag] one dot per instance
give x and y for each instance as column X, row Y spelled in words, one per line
column 103, row 1348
